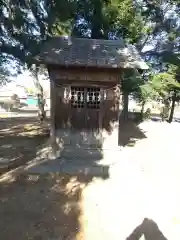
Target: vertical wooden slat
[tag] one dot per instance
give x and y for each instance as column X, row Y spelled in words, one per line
column 86, row 116
column 68, row 106
column 101, row 111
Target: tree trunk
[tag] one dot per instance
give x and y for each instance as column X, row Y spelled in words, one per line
column 52, row 110
column 142, row 109
column 165, row 110
column 97, row 20
column 125, row 105
column 55, row 146
column 172, row 108
column 40, row 94
column 41, row 104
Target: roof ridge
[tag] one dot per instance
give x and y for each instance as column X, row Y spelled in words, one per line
column 88, row 39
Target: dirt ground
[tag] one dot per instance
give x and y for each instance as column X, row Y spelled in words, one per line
column 20, row 139
column 140, row 199
column 35, row 206
column 41, row 207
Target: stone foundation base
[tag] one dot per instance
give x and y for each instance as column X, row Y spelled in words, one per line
column 86, row 144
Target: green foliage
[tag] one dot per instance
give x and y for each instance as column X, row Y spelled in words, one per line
column 165, row 83
column 147, row 92
column 4, row 74
column 24, row 27
column 131, row 80
column 26, row 24
column 167, row 86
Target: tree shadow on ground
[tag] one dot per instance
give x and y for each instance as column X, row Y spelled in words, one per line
column 129, row 133
column 20, row 139
column 47, row 204
column 157, row 118
column 177, row 120
column 41, row 207
column 149, row 229
column 19, row 110
column 33, row 109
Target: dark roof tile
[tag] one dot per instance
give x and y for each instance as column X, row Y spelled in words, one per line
column 90, row 53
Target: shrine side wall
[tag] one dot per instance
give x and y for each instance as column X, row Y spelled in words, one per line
column 109, row 82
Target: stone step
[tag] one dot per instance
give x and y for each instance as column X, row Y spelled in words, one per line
column 75, row 167
column 82, row 153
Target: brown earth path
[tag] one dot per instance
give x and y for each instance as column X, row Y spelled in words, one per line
column 143, row 184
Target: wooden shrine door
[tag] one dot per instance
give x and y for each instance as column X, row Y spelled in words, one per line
column 86, row 114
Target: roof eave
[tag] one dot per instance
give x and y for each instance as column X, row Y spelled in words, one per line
column 131, row 65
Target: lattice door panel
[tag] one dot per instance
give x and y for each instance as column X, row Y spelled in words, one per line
column 85, row 107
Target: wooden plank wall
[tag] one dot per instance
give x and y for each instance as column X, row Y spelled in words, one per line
column 71, row 75
column 108, row 80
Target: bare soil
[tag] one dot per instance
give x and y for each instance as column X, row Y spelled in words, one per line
column 35, row 206
column 41, row 207
column 20, row 139
column 140, row 199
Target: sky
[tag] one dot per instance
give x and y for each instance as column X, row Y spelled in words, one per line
column 25, row 79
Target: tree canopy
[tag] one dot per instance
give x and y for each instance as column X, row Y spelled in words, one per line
column 152, row 26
